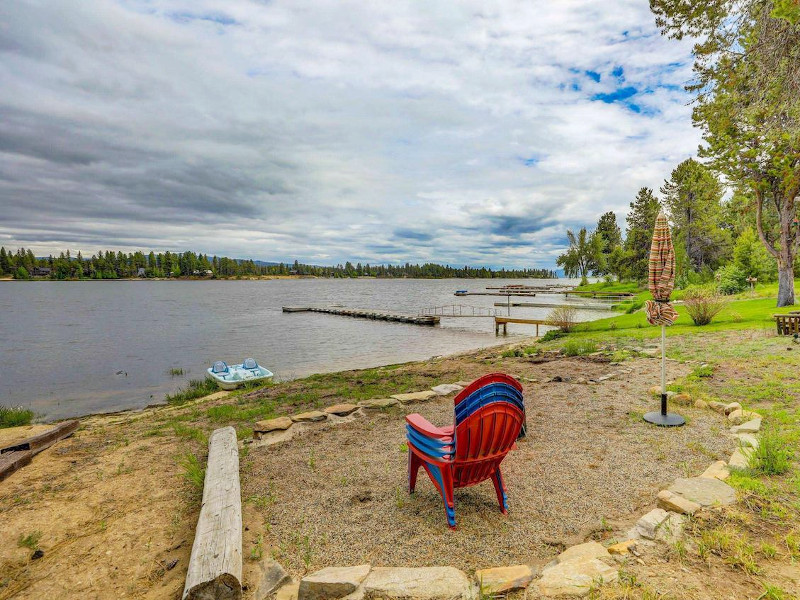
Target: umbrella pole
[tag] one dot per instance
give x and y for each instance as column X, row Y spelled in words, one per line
column 663, row 369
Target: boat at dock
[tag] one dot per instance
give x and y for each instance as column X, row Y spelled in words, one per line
column 230, row 377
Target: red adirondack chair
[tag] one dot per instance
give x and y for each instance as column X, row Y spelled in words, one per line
column 489, row 414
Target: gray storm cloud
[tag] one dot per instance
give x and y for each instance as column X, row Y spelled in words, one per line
column 332, row 131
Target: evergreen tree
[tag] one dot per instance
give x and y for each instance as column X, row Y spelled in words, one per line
column 583, row 255
column 610, row 236
column 639, row 235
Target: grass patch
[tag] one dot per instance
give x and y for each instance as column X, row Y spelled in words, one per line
column 579, row 347
column 30, row 541
column 176, row 372
column 15, row 416
column 190, row 433
column 197, row 388
column 193, row 472
column 773, row 455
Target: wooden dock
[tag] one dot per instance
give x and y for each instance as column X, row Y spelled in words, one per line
column 363, row 313
column 554, row 305
column 504, row 321
column 503, row 294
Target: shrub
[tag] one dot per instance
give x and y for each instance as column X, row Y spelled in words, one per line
column 15, row 416
column 772, row 456
column 197, row 388
column 731, row 280
column 579, row 347
column 563, row 317
column 703, row 305
column 551, row 335
column 193, row 471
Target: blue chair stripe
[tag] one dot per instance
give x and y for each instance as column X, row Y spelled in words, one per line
column 431, row 446
column 488, row 394
column 450, row 510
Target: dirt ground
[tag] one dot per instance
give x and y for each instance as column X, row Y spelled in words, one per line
column 336, row 494
column 114, row 515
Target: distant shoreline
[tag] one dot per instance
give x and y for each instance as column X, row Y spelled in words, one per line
column 267, row 278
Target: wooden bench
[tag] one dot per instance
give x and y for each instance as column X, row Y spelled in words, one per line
column 788, row 324
column 504, row 321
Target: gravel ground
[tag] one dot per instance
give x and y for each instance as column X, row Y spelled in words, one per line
column 336, row 494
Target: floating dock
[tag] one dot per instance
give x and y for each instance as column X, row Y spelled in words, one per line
column 504, row 294
column 363, row 313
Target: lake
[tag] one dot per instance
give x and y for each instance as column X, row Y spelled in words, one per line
column 75, row 348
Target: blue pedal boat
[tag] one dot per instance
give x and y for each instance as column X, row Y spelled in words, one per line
column 230, row 377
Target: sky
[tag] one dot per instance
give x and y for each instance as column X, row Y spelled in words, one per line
column 325, row 131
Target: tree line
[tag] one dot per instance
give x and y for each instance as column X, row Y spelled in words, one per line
column 23, row 264
column 747, row 103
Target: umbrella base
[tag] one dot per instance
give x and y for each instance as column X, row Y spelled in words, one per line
column 667, row 420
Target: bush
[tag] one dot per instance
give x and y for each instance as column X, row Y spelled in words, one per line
column 772, row 456
column 15, row 416
column 563, row 317
column 551, row 335
column 703, row 305
column 197, row 388
column 731, row 280
column 579, row 347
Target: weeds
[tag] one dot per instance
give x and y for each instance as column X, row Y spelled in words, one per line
column 30, row 541
column 772, row 456
column 196, row 388
column 579, row 347
column 257, row 551
column 15, row 416
column 193, row 471
column 176, row 372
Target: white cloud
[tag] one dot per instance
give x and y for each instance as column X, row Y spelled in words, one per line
column 328, row 131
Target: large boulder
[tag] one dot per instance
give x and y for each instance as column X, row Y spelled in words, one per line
column 333, row 582
column 423, row 583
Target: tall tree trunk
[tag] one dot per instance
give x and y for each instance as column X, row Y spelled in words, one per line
column 785, row 252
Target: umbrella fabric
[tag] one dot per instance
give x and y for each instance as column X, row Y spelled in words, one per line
column 661, row 278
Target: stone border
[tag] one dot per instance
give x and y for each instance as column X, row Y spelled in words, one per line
column 574, row 572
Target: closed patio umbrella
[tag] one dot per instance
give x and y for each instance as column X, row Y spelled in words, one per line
column 661, row 281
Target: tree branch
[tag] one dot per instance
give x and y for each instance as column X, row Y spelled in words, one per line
column 760, row 225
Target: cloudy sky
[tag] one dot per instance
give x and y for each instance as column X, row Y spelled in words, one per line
column 458, row 132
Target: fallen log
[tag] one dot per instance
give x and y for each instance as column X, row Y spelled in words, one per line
column 11, row 461
column 40, row 442
column 215, row 565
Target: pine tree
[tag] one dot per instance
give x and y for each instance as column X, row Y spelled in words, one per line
column 639, row 235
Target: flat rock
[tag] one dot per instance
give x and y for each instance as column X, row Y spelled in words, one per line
column 464, row 384
column 341, row 410
column 311, row 416
column 752, row 426
column 747, row 440
column 379, row 403
column 729, row 408
column 581, row 552
column 575, row 577
column 682, row 399
column 271, row 576
column 717, row 406
column 648, row 525
column 503, row 579
column 671, row 530
column 675, row 503
column 740, row 416
column 622, row 548
column 415, row 396
column 706, row 491
column 332, row 582
column 740, row 459
column 446, row 389
column 423, row 583
column 279, row 424
column 717, row 470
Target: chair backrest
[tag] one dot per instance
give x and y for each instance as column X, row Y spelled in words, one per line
column 250, row 363
column 489, row 414
column 219, row 367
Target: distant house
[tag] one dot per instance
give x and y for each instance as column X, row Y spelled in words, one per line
column 41, row 272
column 140, row 272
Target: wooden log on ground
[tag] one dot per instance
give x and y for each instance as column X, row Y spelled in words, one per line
column 40, row 442
column 215, row 566
column 11, row 461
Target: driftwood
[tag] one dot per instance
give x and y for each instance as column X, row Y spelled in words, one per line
column 40, row 442
column 11, row 461
column 18, row 455
column 215, row 566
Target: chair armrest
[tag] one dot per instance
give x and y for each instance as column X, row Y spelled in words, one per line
column 421, row 424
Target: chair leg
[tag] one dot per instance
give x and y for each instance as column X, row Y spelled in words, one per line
column 449, row 497
column 502, row 500
column 414, row 463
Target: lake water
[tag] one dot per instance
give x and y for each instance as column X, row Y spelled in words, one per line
column 74, row 348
